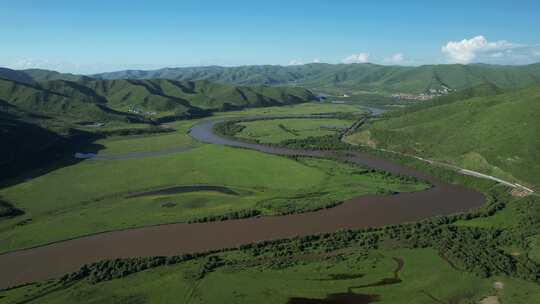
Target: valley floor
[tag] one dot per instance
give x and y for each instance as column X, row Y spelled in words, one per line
column 213, row 183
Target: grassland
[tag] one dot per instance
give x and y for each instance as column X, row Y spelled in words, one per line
column 156, row 142
column 149, row 142
column 92, row 196
column 299, row 109
column 278, row 130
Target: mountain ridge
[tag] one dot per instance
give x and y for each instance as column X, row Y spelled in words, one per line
column 361, row 76
column 354, row 78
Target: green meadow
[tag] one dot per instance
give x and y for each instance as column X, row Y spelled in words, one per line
column 115, row 145
column 278, row 130
column 299, row 109
column 93, row 196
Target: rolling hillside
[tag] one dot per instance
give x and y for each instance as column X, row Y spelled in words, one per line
column 135, row 99
column 166, row 95
column 57, row 102
column 41, row 122
column 354, row 77
column 495, row 133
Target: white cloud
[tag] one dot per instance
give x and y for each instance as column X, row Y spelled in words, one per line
column 295, row 62
column 357, row 58
column 467, row 50
column 397, row 58
column 317, row 60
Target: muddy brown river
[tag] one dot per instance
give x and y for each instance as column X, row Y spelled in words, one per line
column 54, row 260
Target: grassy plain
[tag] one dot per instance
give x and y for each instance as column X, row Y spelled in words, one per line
column 92, row 196
column 277, row 130
column 149, row 143
column 299, row 109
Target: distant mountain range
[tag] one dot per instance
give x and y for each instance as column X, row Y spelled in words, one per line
column 352, row 78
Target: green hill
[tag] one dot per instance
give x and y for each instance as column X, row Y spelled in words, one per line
column 160, row 95
column 356, row 77
column 494, row 133
column 141, row 99
column 57, row 100
column 13, row 75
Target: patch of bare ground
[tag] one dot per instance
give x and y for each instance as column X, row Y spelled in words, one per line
column 363, row 137
column 490, row 300
column 494, row 299
column 518, row 192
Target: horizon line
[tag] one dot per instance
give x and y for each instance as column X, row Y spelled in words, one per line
column 273, row 65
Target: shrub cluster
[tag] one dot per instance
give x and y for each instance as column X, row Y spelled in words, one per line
column 228, row 216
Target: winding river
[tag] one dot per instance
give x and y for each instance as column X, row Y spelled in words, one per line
column 54, row 260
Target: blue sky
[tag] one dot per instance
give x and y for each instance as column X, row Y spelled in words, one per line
column 96, row 36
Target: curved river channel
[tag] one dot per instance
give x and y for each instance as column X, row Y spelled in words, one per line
column 54, row 260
